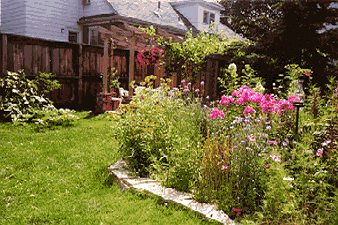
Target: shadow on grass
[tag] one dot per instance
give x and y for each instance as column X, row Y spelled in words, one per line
column 92, row 114
column 103, row 176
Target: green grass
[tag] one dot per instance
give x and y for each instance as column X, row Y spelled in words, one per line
column 60, row 177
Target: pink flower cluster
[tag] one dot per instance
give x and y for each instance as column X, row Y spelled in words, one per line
column 320, row 152
column 248, row 110
column 237, row 210
column 224, row 167
column 215, row 112
column 276, row 158
column 147, row 56
column 266, row 102
column 273, row 142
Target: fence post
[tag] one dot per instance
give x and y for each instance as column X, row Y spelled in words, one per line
column 4, row 53
column 131, row 63
column 80, row 69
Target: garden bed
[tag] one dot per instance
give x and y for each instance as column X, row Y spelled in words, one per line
column 240, row 152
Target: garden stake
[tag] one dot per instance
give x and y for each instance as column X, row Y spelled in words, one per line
column 297, row 105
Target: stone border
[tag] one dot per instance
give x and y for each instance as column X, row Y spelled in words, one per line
column 126, row 180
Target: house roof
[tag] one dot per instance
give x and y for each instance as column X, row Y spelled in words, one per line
column 147, row 10
column 228, row 32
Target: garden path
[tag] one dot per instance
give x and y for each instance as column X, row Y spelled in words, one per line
column 127, row 180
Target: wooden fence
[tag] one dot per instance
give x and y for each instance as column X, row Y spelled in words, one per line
column 78, row 68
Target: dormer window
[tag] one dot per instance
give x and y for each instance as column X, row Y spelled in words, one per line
column 208, row 17
column 86, row 2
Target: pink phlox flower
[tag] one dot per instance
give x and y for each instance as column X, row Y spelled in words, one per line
column 202, row 83
column 237, row 210
column 226, row 100
column 267, row 166
column 293, row 98
column 273, row 142
column 215, row 112
column 319, row 154
column 251, row 137
column 224, row 167
column 267, row 103
column 186, row 90
column 187, row 87
column 308, row 74
column 256, row 97
column 183, row 81
column 320, row 150
column 276, row 158
column 189, row 84
column 197, row 90
column 248, row 110
column 326, row 143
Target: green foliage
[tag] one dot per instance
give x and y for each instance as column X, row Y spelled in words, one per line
column 274, row 24
column 192, row 52
column 157, row 132
column 231, row 80
column 23, row 98
column 114, row 80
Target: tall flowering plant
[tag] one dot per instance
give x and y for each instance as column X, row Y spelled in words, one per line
column 152, row 55
column 246, row 117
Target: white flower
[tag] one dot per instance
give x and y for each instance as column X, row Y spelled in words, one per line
column 234, row 66
column 288, row 178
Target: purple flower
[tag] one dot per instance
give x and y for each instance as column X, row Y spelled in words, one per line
column 188, row 99
column 243, row 142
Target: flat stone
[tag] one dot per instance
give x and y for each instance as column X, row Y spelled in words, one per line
column 126, row 180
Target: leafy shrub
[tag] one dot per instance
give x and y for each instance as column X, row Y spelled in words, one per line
column 23, row 98
column 158, row 130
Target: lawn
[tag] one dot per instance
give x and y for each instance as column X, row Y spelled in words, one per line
column 60, row 177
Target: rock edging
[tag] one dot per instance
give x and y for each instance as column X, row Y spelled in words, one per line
column 126, row 180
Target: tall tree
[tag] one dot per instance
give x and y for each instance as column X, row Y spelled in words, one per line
column 287, row 32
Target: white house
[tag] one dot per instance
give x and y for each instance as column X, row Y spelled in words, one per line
column 57, row 20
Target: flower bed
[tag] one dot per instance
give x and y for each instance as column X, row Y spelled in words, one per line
column 239, row 152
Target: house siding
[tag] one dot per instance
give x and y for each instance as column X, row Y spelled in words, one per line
column 190, row 10
column 201, row 8
column 13, row 9
column 46, row 19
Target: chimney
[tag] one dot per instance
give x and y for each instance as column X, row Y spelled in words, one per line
column 159, row 4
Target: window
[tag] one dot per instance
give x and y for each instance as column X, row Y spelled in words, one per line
column 205, row 17
column 212, row 18
column 208, row 17
column 72, row 37
column 85, row 34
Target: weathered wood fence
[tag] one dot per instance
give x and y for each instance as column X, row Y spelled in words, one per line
column 78, row 68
